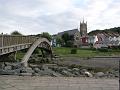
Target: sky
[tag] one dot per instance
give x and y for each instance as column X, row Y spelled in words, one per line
column 53, row 16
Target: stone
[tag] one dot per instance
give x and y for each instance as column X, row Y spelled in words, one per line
column 63, row 68
column 44, row 67
column 7, row 72
column 66, row 73
column 2, row 65
column 76, row 73
column 99, row 74
column 25, row 74
column 16, row 65
column 17, row 71
column 7, row 67
column 41, row 73
column 75, row 69
column 69, row 70
column 83, row 70
column 36, row 70
column 55, row 56
column 88, row 74
column 56, row 74
column 27, row 70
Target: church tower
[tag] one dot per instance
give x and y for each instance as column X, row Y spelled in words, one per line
column 83, row 29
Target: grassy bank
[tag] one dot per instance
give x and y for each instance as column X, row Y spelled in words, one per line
column 62, row 51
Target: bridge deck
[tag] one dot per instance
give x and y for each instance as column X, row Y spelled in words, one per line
column 10, row 43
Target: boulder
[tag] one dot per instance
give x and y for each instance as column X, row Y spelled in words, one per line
column 76, row 73
column 27, row 70
column 75, row 69
column 44, row 67
column 55, row 74
column 67, row 73
column 25, row 74
column 88, row 74
column 99, row 74
column 64, row 72
column 2, row 65
column 7, row 72
column 16, row 65
column 8, row 68
column 36, row 70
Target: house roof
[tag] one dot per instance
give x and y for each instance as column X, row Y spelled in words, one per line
column 70, row 32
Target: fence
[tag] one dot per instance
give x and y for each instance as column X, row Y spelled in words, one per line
column 8, row 40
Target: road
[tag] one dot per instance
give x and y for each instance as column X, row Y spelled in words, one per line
column 56, row 83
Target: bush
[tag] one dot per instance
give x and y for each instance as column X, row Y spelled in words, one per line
column 69, row 43
column 73, row 51
column 103, row 49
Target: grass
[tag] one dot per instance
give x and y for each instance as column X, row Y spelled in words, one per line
column 62, row 51
column 66, row 52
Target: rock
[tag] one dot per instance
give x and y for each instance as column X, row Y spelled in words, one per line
column 69, row 70
column 17, row 71
column 99, row 74
column 76, row 73
column 88, row 74
column 56, row 74
column 44, row 67
column 75, row 69
column 83, row 70
column 67, row 73
column 2, row 65
column 41, row 73
column 64, row 72
column 8, row 68
column 25, row 74
column 17, row 65
column 36, row 70
column 55, row 56
column 116, row 73
column 62, row 68
column 7, row 72
column 27, row 70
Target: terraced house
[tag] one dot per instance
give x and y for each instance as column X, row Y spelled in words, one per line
column 105, row 40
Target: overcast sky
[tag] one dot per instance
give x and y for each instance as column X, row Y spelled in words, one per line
column 53, row 16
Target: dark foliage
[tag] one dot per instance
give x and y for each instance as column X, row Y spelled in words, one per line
column 74, row 51
column 16, row 33
column 111, row 30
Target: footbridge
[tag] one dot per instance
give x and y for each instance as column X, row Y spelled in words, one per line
column 13, row 43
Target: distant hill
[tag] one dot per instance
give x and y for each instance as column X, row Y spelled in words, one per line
column 111, row 30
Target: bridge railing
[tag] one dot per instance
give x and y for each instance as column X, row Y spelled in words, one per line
column 8, row 40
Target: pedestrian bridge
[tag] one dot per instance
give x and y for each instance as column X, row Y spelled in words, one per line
column 13, row 43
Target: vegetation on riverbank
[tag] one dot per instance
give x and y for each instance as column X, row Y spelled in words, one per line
column 75, row 52
column 62, row 51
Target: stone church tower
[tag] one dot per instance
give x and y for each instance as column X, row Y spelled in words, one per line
column 83, row 29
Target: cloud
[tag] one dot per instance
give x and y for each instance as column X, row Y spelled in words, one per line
column 36, row 16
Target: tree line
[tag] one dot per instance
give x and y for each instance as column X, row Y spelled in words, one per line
column 111, row 30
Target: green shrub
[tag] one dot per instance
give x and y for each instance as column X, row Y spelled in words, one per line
column 103, row 49
column 73, row 51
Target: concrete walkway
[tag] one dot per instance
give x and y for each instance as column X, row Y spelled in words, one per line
column 55, row 83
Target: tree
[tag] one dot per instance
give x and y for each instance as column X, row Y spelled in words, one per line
column 46, row 35
column 65, row 38
column 16, row 33
column 59, row 40
column 69, row 43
